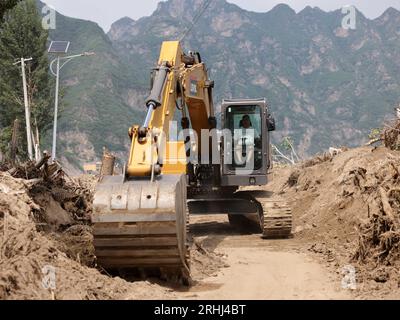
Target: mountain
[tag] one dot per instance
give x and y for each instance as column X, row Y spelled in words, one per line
column 326, row 85
column 94, row 112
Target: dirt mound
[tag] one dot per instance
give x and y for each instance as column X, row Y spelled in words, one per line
column 77, row 243
column 46, row 244
column 37, row 261
column 391, row 135
column 204, row 263
column 348, row 206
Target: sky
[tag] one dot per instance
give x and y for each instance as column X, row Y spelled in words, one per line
column 101, row 12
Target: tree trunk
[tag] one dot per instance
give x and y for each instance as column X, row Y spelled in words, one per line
column 107, row 165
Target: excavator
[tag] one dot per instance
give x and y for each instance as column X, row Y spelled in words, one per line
column 141, row 218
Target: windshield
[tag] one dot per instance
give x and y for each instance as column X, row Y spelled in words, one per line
column 244, row 122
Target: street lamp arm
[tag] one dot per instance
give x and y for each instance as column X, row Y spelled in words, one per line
column 76, row 56
column 68, row 59
column 57, row 75
column 51, row 68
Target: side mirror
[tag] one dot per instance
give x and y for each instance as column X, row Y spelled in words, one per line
column 271, row 124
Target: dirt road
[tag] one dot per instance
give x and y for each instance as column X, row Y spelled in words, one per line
column 337, row 210
column 259, row 269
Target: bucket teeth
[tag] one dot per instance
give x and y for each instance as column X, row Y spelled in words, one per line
column 141, row 224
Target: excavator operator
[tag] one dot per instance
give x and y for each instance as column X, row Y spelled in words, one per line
column 245, row 123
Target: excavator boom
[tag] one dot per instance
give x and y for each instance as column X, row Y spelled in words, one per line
column 140, row 218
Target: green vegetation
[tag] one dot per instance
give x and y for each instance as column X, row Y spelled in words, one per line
column 375, row 133
column 22, row 36
column 94, row 90
column 6, row 5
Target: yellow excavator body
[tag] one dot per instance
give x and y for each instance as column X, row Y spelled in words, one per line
column 141, row 218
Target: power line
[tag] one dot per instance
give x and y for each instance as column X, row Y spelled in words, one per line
column 196, row 18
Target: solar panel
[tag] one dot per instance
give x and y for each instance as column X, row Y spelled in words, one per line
column 59, row 47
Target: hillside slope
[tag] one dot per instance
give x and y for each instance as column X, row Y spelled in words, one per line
column 326, row 85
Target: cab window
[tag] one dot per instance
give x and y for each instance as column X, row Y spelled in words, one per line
column 245, row 124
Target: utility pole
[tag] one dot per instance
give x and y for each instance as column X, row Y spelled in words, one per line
column 27, row 109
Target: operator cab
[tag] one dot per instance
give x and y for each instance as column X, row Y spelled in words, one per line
column 246, row 156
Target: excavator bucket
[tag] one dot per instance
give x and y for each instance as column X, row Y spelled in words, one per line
column 139, row 224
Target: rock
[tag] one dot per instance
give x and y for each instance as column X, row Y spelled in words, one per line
column 298, row 229
column 381, row 275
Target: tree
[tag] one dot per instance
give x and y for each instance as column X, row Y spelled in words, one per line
column 6, row 5
column 288, row 146
column 22, row 35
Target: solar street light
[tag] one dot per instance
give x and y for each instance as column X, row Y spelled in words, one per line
column 60, row 48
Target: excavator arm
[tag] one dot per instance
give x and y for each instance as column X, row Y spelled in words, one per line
column 177, row 77
column 140, row 219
